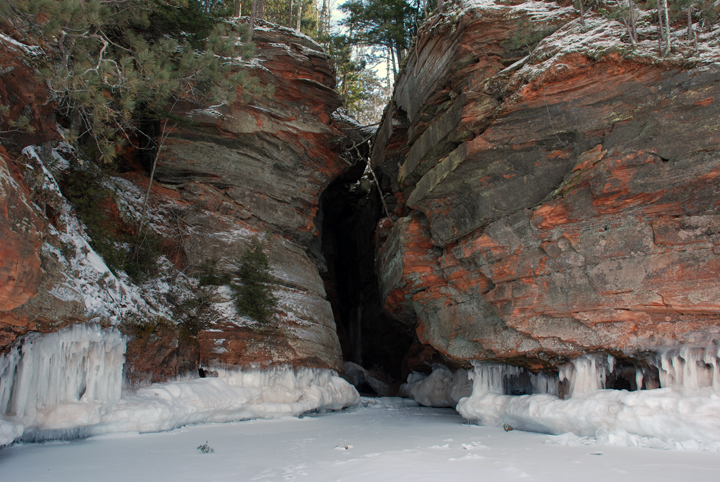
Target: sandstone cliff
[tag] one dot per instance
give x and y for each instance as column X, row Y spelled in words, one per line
column 226, row 175
column 560, row 188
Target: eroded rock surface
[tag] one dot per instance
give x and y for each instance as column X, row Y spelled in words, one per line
column 248, row 171
column 559, row 200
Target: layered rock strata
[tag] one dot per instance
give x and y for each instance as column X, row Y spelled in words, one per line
column 250, row 170
column 561, row 198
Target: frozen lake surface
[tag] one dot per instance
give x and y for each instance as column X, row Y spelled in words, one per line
column 385, row 441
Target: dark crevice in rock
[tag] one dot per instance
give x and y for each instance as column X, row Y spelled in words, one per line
column 350, row 208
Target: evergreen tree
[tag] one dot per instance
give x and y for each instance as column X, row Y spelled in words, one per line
column 363, row 93
column 254, row 297
column 389, row 24
column 110, row 63
column 278, row 11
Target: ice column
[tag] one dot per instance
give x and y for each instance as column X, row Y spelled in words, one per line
column 587, row 373
column 80, row 364
column 488, row 377
column 690, row 368
column 494, row 378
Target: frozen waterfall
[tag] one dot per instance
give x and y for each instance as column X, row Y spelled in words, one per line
column 60, row 381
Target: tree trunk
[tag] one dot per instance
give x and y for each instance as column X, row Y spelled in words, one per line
column 582, row 12
column 299, row 17
column 324, row 15
column 629, row 30
column 691, row 34
column 261, row 9
column 661, row 30
column 238, row 8
column 392, row 61
column 327, row 19
column 253, row 16
column 163, row 135
column 441, row 6
column 633, row 30
column 666, row 21
column 290, row 12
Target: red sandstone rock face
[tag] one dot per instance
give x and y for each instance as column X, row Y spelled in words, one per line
column 557, row 206
column 269, row 157
column 244, row 171
column 24, row 96
column 260, row 167
column 20, row 231
column 21, row 223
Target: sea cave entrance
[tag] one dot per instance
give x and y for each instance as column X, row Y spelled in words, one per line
column 350, row 209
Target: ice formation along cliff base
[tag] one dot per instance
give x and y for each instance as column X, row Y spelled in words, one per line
column 69, row 384
column 60, row 381
column 683, row 413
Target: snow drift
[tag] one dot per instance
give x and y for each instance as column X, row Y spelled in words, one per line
column 69, row 384
column 684, row 412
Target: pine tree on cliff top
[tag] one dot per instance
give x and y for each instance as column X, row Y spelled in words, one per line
column 389, row 24
column 305, row 16
column 110, row 63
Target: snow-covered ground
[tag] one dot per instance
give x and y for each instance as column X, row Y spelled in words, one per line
column 379, row 442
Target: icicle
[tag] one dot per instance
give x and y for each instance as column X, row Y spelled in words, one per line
column 588, row 376
column 639, row 378
column 496, row 378
column 690, row 368
column 284, row 376
column 686, row 410
column 542, row 383
column 8, row 367
column 487, row 378
column 80, row 364
column 565, row 372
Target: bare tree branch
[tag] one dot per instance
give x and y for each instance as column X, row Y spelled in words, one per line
column 163, row 136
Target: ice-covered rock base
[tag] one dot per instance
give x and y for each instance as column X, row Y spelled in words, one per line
column 68, row 384
column 442, row 388
column 60, row 381
column 683, row 413
column 231, row 396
